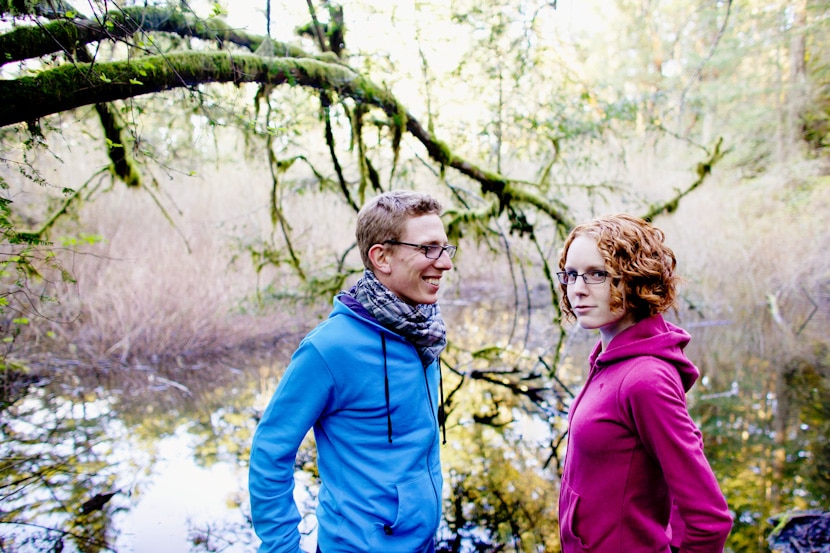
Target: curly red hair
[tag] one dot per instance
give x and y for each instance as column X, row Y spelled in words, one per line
column 639, row 264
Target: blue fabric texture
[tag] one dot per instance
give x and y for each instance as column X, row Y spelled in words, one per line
column 378, row 492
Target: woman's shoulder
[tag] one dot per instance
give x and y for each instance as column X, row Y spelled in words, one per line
column 648, row 374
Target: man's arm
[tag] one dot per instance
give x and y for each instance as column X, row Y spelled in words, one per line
column 297, row 403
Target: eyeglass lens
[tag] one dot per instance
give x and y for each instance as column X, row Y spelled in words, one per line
column 590, row 277
column 434, row 252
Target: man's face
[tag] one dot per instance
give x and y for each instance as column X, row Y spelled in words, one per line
column 408, row 273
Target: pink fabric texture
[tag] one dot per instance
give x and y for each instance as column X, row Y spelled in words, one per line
column 634, row 453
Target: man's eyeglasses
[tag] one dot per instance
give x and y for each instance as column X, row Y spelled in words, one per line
column 590, row 277
column 430, row 251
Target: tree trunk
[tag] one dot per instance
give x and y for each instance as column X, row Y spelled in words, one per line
column 797, row 97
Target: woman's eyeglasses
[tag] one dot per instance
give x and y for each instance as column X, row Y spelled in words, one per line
column 590, row 277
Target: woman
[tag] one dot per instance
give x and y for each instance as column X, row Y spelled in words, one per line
column 635, row 476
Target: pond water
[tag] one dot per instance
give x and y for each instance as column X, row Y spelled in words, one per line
column 154, row 458
column 147, row 458
column 181, row 497
column 134, row 460
column 140, row 459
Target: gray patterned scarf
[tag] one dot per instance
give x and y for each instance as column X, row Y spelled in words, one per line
column 422, row 325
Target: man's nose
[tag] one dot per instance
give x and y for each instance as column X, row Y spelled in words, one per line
column 443, row 262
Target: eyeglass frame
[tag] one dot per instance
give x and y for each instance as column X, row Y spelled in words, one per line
column 568, row 278
column 451, row 250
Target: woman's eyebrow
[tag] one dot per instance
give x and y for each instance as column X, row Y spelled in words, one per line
column 588, row 268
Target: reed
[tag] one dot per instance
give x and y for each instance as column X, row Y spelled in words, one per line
column 172, row 273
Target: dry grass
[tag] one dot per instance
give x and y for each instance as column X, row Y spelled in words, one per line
column 157, row 287
column 753, row 253
column 154, row 289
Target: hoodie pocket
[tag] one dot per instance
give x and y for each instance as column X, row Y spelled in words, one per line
column 569, row 502
column 417, row 518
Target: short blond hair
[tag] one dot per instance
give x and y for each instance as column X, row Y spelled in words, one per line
column 384, row 217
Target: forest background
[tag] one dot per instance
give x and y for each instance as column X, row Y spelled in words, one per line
column 165, row 210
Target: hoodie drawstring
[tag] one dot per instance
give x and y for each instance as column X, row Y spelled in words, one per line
column 386, row 386
column 441, row 412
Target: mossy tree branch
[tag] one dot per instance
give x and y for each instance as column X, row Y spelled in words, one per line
column 72, row 86
column 118, row 147
column 27, row 42
column 703, row 170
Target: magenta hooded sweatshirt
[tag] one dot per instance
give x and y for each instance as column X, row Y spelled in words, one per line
column 635, row 457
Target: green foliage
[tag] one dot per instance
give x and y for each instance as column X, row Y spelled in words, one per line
column 808, row 455
column 740, row 437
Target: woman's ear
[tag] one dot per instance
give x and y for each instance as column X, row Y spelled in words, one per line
column 379, row 256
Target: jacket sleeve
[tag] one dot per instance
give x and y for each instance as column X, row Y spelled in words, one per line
column 301, row 397
column 657, row 403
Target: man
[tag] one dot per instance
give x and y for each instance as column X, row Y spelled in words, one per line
column 366, row 380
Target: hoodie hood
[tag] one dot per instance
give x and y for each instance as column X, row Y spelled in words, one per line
column 653, row 337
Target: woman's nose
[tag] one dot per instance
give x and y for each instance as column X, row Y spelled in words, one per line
column 579, row 286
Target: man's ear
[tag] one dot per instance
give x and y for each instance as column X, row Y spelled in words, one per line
column 379, row 256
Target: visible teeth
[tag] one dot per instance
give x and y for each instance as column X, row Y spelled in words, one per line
column 433, row 281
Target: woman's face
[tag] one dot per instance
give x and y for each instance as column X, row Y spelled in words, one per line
column 591, row 303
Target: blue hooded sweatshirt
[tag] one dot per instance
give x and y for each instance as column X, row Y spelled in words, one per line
column 377, row 453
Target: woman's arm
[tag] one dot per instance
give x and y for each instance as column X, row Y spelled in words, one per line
column 657, row 404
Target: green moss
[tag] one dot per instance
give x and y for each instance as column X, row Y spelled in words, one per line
column 131, row 177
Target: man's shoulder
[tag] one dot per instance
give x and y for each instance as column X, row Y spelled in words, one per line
column 341, row 329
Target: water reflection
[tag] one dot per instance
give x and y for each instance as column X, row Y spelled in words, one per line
column 154, row 458
column 183, row 504
column 140, row 459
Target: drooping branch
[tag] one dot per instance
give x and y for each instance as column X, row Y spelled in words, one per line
column 495, row 183
column 71, row 86
column 703, row 170
column 27, row 42
column 118, row 149
column 69, row 200
column 316, row 29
